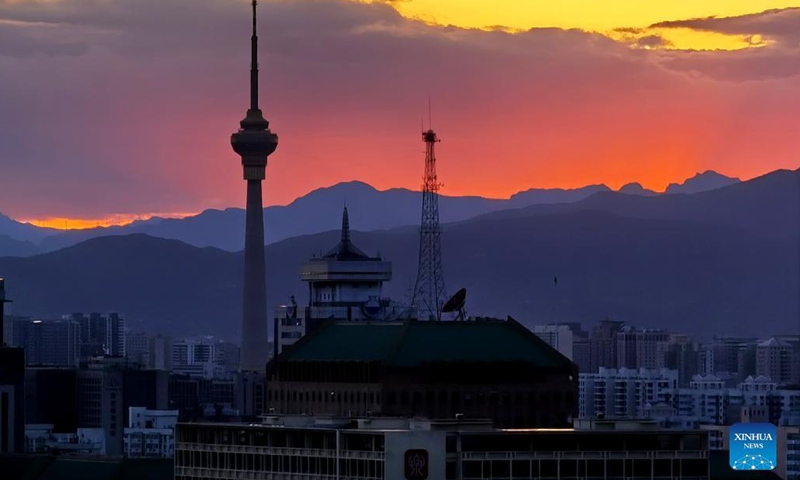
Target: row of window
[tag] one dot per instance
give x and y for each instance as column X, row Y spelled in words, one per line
column 565, row 469
column 478, row 469
column 360, row 468
column 405, row 398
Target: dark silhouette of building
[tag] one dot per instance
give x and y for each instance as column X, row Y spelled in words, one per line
column 254, row 142
column 193, row 396
column 603, row 345
column 101, row 334
column 12, row 390
column 145, row 388
column 51, row 397
column 683, row 355
column 484, row 368
column 48, row 342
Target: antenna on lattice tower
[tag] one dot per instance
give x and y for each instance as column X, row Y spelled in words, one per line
column 429, row 289
column 430, row 121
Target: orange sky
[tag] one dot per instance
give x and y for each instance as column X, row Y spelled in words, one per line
column 133, row 101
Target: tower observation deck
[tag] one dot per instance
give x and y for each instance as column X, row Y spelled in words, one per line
column 254, row 142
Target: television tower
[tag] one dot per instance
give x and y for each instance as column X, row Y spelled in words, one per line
column 254, row 142
column 429, row 292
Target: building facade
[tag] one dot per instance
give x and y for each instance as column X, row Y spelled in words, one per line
column 416, row 368
column 400, row 449
column 100, row 334
column 625, row 393
column 48, row 342
column 150, row 433
column 12, row 400
column 779, row 359
column 557, row 336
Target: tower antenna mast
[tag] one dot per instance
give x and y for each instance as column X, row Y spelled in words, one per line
column 254, row 142
column 430, row 121
column 429, row 291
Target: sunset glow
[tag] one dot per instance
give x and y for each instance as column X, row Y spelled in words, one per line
column 110, row 221
column 608, row 17
column 525, row 95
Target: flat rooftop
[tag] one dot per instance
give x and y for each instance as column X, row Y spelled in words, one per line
column 401, row 424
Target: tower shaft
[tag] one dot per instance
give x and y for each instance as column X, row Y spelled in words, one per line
column 254, row 142
column 254, row 303
column 429, row 290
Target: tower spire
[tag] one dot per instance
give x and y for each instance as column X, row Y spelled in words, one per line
column 345, row 227
column 254, row 142
column 254, row 63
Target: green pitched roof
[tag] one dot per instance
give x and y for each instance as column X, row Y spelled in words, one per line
column 414, row 342
column 348, row 341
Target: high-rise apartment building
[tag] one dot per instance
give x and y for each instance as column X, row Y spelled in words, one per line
column 559, row 337
column 642, row 348
column 778, row 359
column 48, row 342
column 683, row 356
column 137, row 348
column 603, row 345
column 624, row 393
column 101, row 334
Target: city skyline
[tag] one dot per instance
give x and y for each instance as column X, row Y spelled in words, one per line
column 564, row 107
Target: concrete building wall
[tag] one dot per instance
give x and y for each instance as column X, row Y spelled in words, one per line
column 424, row 450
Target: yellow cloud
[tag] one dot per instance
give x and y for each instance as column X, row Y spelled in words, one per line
column 603, row 16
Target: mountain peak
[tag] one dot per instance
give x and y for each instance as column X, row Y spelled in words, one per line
column 636, row 188
column 702, row 182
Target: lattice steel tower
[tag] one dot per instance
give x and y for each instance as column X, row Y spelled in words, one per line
column 429, row 291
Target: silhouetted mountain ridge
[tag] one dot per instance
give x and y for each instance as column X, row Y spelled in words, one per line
column 315, row 212
column 768, row 205
column 702, row 182
column 652, row 273
column 636, row 188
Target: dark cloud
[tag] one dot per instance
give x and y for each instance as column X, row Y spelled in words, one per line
column 652, row 41
column 782, row 26
column 126, row 106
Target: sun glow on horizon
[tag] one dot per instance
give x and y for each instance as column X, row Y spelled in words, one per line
column 116, row 220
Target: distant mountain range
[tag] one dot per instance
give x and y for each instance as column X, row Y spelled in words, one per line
column 317, row 212
column 766, row 206
column 716, row 262
column 702, row 182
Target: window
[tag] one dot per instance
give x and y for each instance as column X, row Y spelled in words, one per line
column 521, row 469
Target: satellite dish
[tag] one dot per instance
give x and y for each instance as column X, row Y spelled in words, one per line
column 456, row 304
column 372, row 308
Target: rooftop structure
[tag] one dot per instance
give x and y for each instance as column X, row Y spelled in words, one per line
column 344, row 284
column 345, row 275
